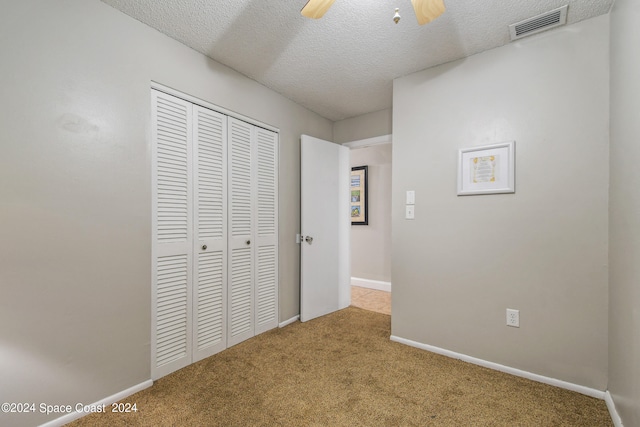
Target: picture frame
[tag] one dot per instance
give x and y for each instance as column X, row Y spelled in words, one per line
column 359, row 195
column 489, row 169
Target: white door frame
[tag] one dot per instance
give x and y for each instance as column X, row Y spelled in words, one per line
column 365, row 143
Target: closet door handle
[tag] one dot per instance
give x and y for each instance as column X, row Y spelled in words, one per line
column 204, row 247
column 248, row 242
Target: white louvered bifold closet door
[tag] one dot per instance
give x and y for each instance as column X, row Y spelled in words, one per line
column 171, row 234
column 266, row 231
column 210, row 225
column 214, row 232
column 241, row 196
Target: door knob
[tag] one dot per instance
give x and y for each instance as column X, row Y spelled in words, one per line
column 204, row 247
column 308, row 239
column 248, row 242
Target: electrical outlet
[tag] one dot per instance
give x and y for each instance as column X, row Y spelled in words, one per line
column 513, row 318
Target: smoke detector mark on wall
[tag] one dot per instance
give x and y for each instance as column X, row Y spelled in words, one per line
column 546, row 21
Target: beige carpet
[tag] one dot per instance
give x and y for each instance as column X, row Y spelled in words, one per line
column 342, row 370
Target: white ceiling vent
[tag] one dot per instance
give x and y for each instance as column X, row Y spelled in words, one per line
column 543, row 22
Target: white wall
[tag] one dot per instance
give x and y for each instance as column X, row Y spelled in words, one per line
column 75, row 211
column 371, row 244
column 542, row 250
column 624, row 223
column 365, row 126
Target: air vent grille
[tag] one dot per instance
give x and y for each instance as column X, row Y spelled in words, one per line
column 543, row 22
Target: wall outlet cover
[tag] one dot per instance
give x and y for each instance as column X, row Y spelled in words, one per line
column 513, row 318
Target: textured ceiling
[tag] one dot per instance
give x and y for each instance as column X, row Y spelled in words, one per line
column 342, row 65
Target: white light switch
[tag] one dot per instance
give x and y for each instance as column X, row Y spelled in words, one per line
column 411, row 197
column 410, row 212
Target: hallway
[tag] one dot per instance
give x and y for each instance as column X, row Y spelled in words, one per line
column 371, row 299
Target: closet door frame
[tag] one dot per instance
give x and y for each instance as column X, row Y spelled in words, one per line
column 199, row 101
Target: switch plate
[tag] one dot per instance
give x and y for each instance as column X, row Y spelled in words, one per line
column 513, row 318
column 411, row 197
column 410, row 212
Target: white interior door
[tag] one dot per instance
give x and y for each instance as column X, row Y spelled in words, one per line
column 326, row 227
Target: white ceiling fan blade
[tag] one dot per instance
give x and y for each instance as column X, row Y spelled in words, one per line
column 428, row 10
column 316, row 8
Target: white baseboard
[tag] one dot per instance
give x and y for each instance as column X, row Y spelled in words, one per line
column 598, row 394
column 611, row 406
column 65, row 419
column 371, row 284
column 288, row 322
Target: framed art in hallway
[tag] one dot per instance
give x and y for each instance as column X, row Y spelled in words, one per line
column 489, row 169
column 359, row 196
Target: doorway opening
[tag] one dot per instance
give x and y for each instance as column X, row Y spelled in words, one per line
column 371, row 242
